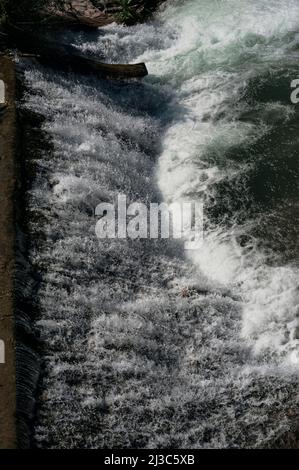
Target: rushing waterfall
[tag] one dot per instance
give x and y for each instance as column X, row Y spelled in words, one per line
column 142, row 343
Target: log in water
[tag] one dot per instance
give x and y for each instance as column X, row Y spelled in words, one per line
column 66, row 56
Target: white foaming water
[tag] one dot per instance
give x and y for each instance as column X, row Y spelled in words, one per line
column 220, row 47
column 145, row 345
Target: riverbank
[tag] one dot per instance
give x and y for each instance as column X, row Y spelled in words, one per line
column 90, row 14
column 7, row 259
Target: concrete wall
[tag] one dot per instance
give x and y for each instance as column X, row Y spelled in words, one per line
column 7, row 238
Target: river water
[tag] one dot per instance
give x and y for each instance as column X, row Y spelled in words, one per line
column 142, row 343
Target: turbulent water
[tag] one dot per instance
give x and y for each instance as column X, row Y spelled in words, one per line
column 142, row 343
